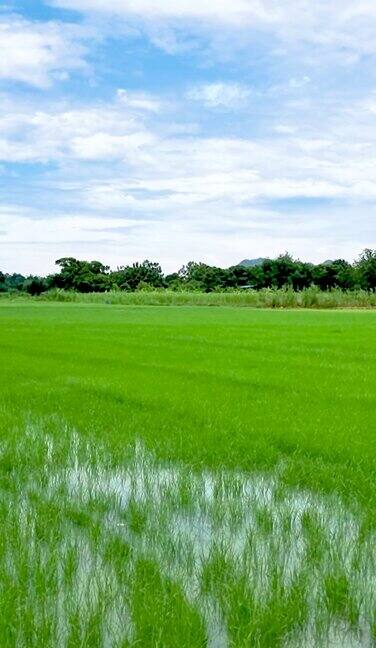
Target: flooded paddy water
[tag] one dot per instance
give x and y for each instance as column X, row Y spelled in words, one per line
column 144, row 552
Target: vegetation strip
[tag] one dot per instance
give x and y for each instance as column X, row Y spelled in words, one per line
column 282, row 272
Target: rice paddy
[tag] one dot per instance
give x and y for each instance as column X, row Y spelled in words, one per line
column 187, row 477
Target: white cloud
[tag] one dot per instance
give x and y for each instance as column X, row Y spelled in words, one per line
column 299, row 82
column 220, row 95
column 339, row 24
column 127, row 183
column 37, row 53
column 135, row 174
column 285, row 129
column 96, row 132
column 329, row 161
column 233, row 10
column 31, row 242
column 141, row 101
column 101, row 146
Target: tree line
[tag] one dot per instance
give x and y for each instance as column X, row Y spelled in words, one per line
column 283, row 271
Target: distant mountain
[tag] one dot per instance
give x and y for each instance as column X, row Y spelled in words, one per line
column 250, row 263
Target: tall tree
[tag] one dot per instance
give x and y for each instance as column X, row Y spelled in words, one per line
column 366, row 269
column 131, row 277
column 84, row 276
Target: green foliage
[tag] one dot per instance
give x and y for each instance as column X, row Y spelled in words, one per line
column 34, row 285
column 366, row 269
column 332, row 274
column 84, row 276
column 138, row 275
column 284, row 272
column 11, row 282
column 203, row 276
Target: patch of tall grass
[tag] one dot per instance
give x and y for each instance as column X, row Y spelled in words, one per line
column 264, row 298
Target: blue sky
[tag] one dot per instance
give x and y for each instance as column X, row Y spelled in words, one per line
column 186, row 130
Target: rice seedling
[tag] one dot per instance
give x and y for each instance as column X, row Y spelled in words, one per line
column 186, row 477
column 142, row 569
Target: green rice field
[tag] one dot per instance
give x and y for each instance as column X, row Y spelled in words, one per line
column 187, row 477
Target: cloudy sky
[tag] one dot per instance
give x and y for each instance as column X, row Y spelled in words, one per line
column 174, row 130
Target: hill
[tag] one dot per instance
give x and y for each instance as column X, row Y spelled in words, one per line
column 251, row 262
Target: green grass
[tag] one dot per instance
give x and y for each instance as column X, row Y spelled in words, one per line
column 186, row 476
column 311, row 297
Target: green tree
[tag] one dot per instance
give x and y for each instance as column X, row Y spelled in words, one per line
column 130, row 277
column 278, row 272
column 301, row 276
column 237, row 276
column 34, row 285
column 366, row 269
column 13, row 282
column 3, row 287
column 334, row 274
column 203, row 276
column 174, row 281
column 84, row 276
